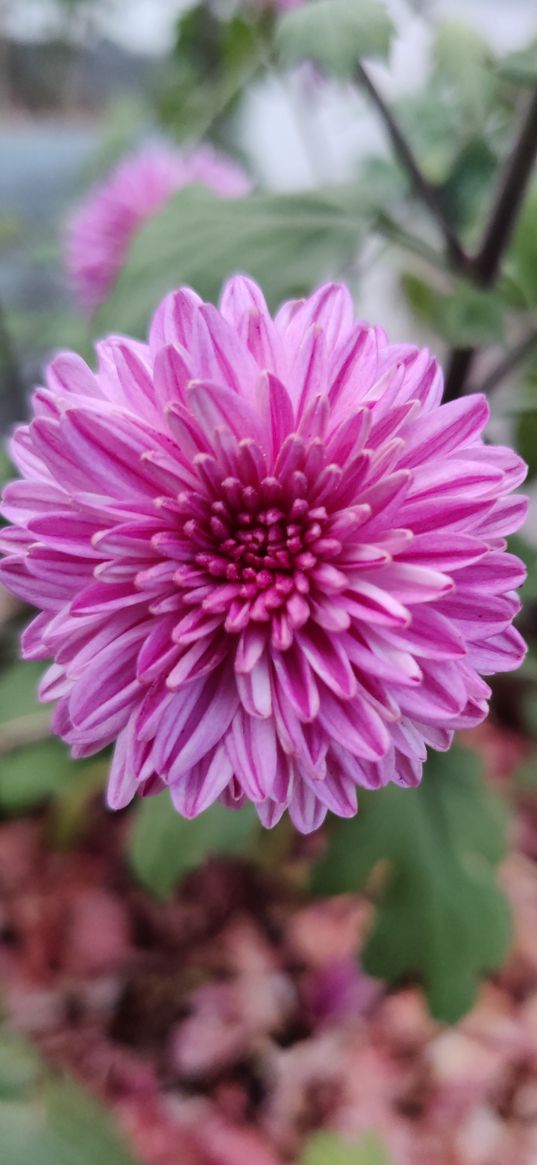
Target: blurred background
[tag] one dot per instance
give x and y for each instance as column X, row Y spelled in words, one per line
column 202, row 993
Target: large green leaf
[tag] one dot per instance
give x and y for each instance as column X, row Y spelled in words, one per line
column 440, row 917
column 49, row 1121
column 287, row 242
column 327, row 1148
column 164, row 846
column 335, row 34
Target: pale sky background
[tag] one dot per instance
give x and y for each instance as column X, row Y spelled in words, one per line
column 147, row 25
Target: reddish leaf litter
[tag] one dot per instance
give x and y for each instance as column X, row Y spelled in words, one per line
column 225, row 1025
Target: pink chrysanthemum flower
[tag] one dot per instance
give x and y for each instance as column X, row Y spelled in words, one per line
column 101, row 230
column 269, row 561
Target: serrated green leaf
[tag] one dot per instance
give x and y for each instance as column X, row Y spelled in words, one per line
column 164, row 846
column 335, row 34
column 287, row 242
column 441, row 916
column 326, row 1148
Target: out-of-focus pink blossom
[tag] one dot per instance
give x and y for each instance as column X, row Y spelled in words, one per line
column 270, row 563
column 101, row 229
column 228, row 1021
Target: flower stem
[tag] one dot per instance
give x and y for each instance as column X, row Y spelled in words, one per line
column 485, row 266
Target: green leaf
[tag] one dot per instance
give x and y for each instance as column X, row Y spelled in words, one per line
column 213, row 61
column 33, row 774
column 466, row 189
column 326, row 1148
column 20, row 1067
column 18, row 685
column 35, row 767
column 164, row 846
column 462, row 60
column 520, row 68
column 287, row 242
column 335, row 34
column 80, row 1129
column 464, row 317
column 441, row 917
column 473, row 317
column 48, row 1121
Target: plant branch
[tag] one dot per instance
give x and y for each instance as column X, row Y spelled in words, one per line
column 485, row 265
column 504, row 214
column 422, row 187
column 509, row 362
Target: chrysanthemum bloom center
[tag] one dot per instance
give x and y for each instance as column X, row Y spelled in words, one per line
column 261, row 551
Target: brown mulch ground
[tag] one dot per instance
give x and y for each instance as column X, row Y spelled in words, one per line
column 225, row 1025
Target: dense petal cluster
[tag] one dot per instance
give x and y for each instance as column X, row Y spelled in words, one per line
column 103, row 226
column 269, row 561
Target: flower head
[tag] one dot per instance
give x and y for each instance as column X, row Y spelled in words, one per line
column 269, row 561
column 102, row 228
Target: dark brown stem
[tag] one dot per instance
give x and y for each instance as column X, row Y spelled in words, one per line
column 485, row 265
column 508, row 363
column 422, row 187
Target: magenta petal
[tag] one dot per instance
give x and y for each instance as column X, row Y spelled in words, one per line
column 252, row 748
column 196, row 790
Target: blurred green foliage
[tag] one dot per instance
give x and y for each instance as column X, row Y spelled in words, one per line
column 48, row 1120
column 329, row 1149
column 164, row 846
